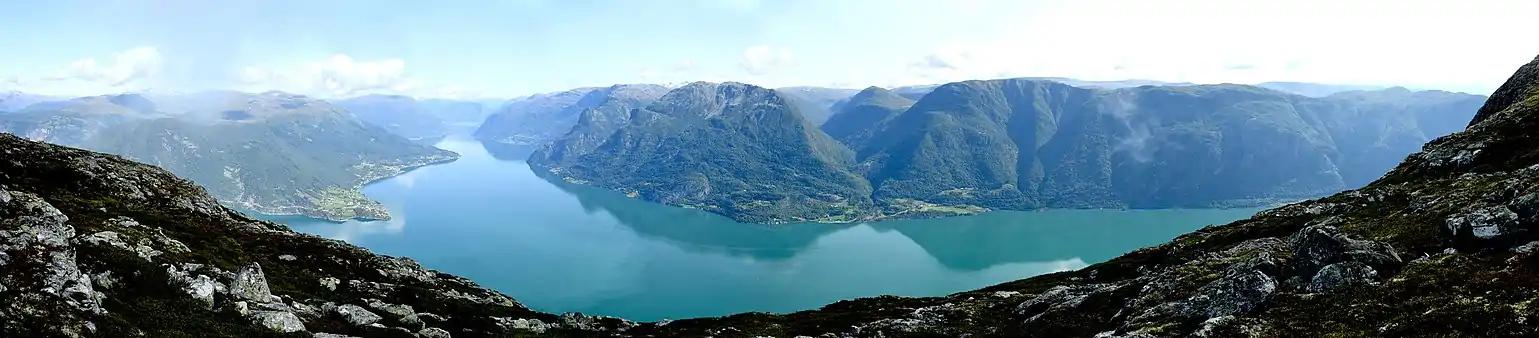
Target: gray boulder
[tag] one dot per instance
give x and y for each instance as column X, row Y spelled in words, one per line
column 1342, row 274
column 356, row 315
column 279, row 321
column 433, row 332
column 250, row 284
column 1483, row 223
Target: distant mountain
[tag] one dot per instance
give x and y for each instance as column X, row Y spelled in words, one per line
column 271, row 152
column 816, row 103
column 858, row 117
column 15, row 100
column 1017, row 144
column 730, row 148
column 539, row 119
column 1315, row 89
column 400, row 115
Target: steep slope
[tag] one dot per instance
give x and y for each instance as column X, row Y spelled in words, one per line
column 1021, row 143
column 817, row 104
column 735, row 149
column 400, row 115
column 539, row 119
column 272, row 152
column 857, row 117
column 73, row 121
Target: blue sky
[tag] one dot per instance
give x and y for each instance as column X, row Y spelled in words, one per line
column 503, row 48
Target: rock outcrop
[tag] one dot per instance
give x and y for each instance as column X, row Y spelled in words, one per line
column 92, row 245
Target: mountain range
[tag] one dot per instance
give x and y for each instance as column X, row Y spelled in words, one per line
column 271, row 152
column 752, row 154
column 426, row 120
column 1443, row 245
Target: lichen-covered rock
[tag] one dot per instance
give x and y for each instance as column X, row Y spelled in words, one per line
column 433, row 332
column 1316, row 246
column 250, row 284
column 330, row 283
column 278, row 321
column 1342, row 274
column 356, row 315
column 1484, row 223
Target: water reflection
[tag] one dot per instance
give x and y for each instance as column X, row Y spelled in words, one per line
column 561, row 247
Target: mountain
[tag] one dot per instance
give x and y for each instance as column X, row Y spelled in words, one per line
column 859, row 116
column 1443, row 246
column 1013, row 144
column 272, row 152
column 15, row 100
column 458, row 114
column 1020, row 144
column 539, row 119
column 400, row 115
column 816, row 103
column 1315, row 89
column 730, row 148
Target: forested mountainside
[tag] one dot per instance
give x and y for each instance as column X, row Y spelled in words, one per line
column 1014, row 144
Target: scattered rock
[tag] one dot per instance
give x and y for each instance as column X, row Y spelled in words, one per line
column 331, row 335
column 531, row 325
column 1227, row 326
column 278, row 321
column 287, row 257
column 1006, row 294
column 430, row 319
column 250, row 284
column 356, row 315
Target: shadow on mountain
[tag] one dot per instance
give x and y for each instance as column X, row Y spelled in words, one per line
column 508, row 151
column 695, row 230
column 985, row 240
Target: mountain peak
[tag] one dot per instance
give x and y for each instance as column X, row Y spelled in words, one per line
column 1518, row 88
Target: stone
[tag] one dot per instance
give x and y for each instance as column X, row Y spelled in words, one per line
column 531, row 325
column 250, row 284
column 1234, row 294
column 1342, row 274
column 356, row 315
column 430, row 319
column 104, row 280
column 330, row 283
column 330, row 335
column 433, row 332
column 1483, row 223
column 287, row 257
column 202, row 289
column 279, row 321
column 1316, row 246
column 393, row 310
column 1526, row 248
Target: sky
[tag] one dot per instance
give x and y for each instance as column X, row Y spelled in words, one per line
column 508, row 48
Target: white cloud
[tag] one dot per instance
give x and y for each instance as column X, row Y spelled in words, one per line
column 761, row 59
column 1410, row 42
column 343, row 76
column 124, row 68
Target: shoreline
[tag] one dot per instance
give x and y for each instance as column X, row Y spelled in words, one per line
column 1258, row 203
column 308, row 212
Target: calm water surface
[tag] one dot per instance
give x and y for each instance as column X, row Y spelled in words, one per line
column 560, row 247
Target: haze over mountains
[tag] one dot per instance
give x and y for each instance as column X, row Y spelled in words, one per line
column 796, row 153
column 270, row 152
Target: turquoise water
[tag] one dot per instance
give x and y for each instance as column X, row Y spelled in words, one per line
column 560, row 247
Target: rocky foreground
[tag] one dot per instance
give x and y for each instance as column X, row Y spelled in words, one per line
column 92, row 245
